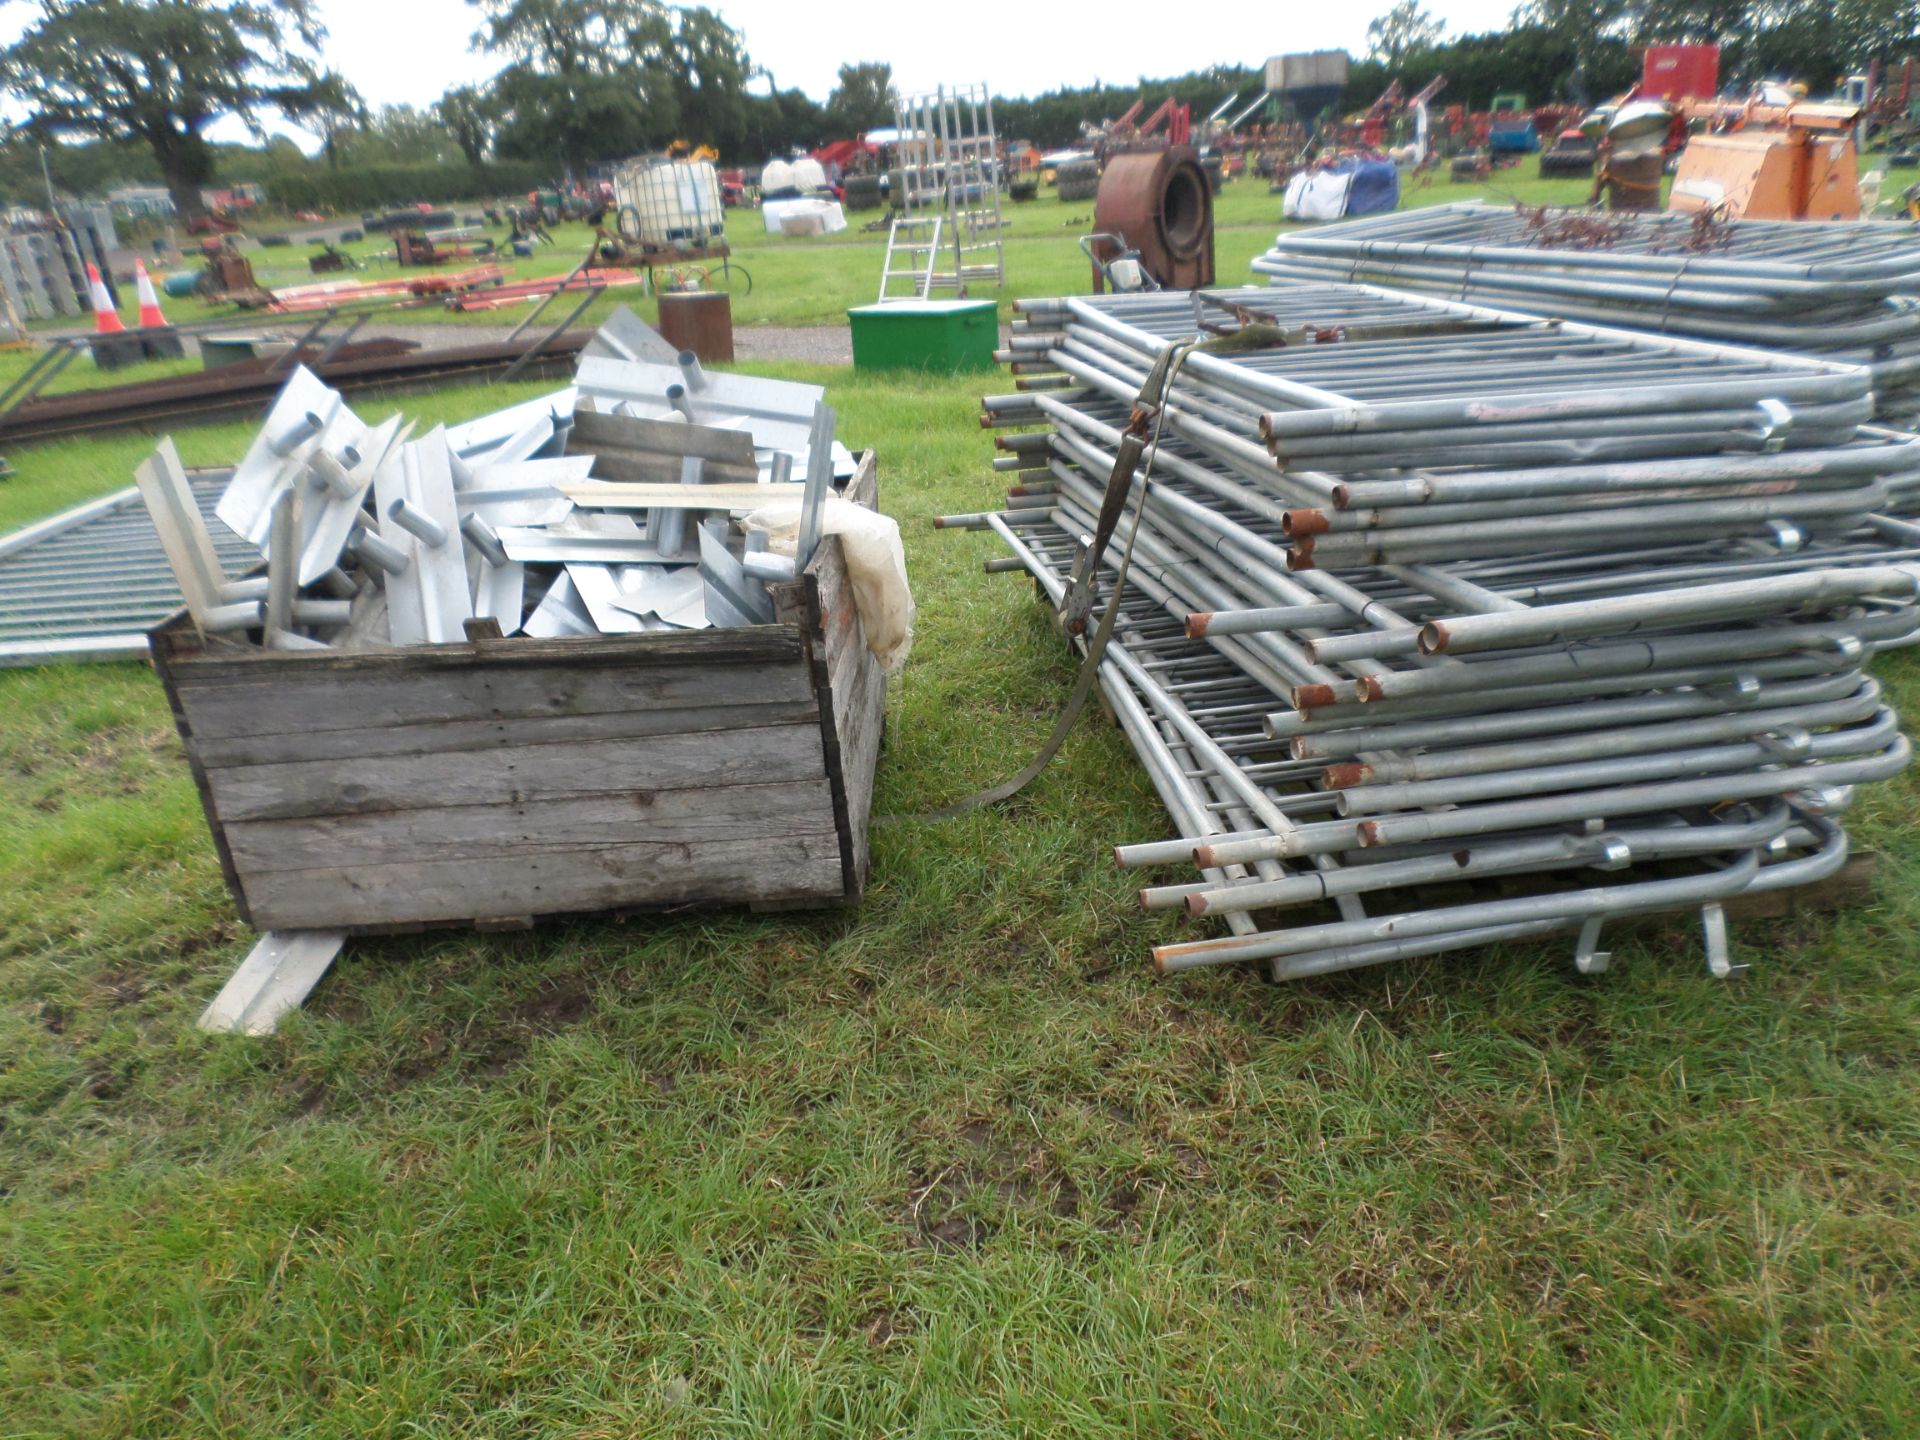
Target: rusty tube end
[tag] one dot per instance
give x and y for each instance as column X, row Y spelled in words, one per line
column 1203, row 857
column 1197, row 622
column 1369, row 833
column 1345, row 777
column 1342, row 496
column 1196, row 906
column 1370, row 689
column 1433, row 637
column 1312, row 697
column 1305, row 522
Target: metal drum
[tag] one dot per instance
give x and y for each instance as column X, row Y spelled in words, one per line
column 1160, row 204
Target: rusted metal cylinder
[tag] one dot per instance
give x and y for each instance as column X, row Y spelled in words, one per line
column 1159, row 203
column 700, row 321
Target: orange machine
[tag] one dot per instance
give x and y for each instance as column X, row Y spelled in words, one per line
column 1792, row 161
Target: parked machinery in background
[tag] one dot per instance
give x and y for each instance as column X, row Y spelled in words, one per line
column 1571, row 157
column 1770, row 157
column 1154, row 207
column 1633, row 143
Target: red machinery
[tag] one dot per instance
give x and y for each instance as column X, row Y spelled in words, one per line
column 1124, row 135
column 1680, row 72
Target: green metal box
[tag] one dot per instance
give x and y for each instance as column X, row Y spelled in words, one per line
column 945, row 335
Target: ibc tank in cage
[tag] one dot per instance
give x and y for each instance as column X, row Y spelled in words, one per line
column 670, row 204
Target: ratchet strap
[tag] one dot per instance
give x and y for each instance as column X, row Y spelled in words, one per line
column 1077, row 603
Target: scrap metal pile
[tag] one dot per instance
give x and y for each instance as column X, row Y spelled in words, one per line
column 1845, row 292
column 1476, row 626
column 602, row 509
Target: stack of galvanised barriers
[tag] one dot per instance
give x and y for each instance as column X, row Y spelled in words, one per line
column 1840, row 291
column 1474, row 625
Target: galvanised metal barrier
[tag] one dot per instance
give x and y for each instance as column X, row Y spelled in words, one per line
column 1846, row 291
column 1427, row 593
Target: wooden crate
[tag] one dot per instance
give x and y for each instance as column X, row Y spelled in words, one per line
column 501, row 781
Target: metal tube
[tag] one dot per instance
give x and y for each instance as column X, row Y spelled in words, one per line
column 417, row 523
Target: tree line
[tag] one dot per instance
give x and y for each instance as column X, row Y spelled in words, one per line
column 1583, row 51
column 138, row 83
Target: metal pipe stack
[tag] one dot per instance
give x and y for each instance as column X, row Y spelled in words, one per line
column 1845, row 291
column 1446, row 625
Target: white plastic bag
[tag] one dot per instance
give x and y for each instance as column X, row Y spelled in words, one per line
column 1317, row 195
column 876, row 567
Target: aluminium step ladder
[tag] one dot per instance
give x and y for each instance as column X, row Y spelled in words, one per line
column 917, row 272
column 950, row 170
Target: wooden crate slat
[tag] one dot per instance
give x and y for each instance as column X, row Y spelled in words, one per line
column 223, row 708
column 573, row 882
column 548, row 827
column 364, row 785
column 481, row 736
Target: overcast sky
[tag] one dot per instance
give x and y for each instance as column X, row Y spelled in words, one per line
column 411, row 51
column 1019, row 47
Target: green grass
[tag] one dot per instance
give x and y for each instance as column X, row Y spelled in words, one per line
column 813, row 280
column 951, row 1164
column 796, row 281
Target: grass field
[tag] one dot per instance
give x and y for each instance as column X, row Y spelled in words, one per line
column 812, row 281
column 953, row 1164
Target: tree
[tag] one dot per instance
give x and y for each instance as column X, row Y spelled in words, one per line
column 573, row 87
column 1402, row 30
column 160, row 72
column 864, row 98
column 596, row 79
column 469, row 118
column 399, row 135
column 710, row 70
column 782, row 122
column 336, row 111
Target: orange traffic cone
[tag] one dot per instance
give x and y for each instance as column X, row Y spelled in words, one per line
column 151, row 317
column 105, row 320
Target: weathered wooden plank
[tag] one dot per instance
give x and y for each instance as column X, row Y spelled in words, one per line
column 164, row 643
column 862, row 487
column 293, row 705
column 860, row 703
column 758, row 645
column 470, row 736
column 768, row 755
column 1849, row 886
column 532, row 827
column 566, row 883
column 858, row 690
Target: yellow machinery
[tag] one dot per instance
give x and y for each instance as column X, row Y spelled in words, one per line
column 1793, row 161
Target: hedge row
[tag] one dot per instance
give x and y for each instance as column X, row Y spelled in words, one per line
column 375, row 187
